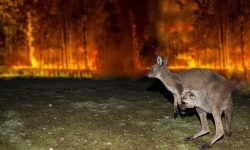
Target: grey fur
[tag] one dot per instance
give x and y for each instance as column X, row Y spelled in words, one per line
column 212, row 95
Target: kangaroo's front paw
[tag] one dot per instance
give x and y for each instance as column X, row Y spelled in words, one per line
column 182, row 107
column 175, row 109
column 204, row 147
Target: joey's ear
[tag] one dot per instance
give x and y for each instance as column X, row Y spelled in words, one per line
column 165, row 60
column 159, row 60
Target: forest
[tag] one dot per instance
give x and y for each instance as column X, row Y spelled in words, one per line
column 116, row 37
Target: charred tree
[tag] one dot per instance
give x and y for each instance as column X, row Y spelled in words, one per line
column 2, row 46
column 85, row 34
column 40, row 41
column 242, row 36
column 88, row 12
column 64, row 37
column 69, row 36
column 226, row 38
column 221, row 39
column 134, row 36
column 105, row 39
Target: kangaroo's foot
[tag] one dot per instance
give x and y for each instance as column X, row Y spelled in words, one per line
column 204, row 146
column 189, row 138
column 228, row 133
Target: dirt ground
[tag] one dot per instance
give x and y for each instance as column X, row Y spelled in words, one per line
column 74, row 114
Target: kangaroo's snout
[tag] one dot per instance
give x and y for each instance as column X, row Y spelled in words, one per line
column 182, row 99
column 148, row 74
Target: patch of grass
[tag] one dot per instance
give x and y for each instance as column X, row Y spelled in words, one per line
column 10, row 127
column 106, row 115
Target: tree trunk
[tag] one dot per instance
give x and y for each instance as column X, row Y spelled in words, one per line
column 134, row 38
column 221, row 38
column 63, row 48
column 28, row 51
column 226, row 51
column 48, row 55
column 40, row 50
column 169, row 51
column 63, row 36
column 69, row 40
column 242, row 33
column 205, row 60
column 167, row 45
column 7, row 48
column 199, row 54
column 85, row 35
column 77, row 57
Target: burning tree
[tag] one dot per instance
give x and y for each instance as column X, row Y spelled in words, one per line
column 2, row 46
column 13, row 26
column 48, row 34
column 70, row 21
column 209, row 34
column 76, row 34
column 106, row 39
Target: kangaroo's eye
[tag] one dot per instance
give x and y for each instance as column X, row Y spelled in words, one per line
column 152, row 69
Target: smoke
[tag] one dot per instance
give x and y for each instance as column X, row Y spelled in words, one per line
column 168, row 17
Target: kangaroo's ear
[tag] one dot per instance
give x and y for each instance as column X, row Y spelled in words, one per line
column 159, row 60
column 165, row 60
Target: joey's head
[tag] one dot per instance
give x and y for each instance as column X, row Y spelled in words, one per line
column 188, row 99
column 159, row 68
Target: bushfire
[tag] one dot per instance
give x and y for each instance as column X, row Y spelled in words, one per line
column 77, row 69
column 113, row 38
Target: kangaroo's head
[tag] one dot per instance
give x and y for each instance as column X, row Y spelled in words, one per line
column 188, row 99
column 158, row 69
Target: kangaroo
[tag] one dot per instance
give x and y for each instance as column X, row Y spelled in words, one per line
column 211, row 93
column 206, row 102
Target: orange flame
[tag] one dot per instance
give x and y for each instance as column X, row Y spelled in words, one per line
column 33, row 61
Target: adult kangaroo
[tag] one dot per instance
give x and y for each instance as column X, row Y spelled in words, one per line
column 218, row 95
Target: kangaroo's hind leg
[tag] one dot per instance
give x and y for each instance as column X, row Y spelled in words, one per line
column 204, row 125
column 228, row 117
column 219, row 130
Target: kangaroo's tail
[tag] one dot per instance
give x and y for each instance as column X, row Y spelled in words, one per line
column 228, row 116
